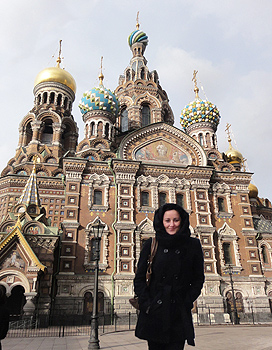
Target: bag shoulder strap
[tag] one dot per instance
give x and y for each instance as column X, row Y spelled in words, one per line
column 153, row 250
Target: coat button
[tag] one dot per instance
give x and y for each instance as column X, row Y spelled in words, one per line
column 177, row 251
column 159, row 301
column 165, row 250
column 176, row 277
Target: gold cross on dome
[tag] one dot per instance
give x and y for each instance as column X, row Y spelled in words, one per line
column 194, row 78
column 59, row 58
column 228, row 130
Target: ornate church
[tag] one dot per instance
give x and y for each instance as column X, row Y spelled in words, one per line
column 131, row 160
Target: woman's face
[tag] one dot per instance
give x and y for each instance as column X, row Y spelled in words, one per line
column 171, row 221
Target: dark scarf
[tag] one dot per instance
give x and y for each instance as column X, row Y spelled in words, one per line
column 183, row 234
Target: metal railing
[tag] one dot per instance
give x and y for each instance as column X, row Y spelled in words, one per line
column 75, row 325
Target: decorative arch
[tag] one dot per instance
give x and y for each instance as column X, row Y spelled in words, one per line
column 222, row 190
column 227, row 235
column 104, row 246
column 23, row 281
column 149, row 99
column 177, row 147
column 54, row 117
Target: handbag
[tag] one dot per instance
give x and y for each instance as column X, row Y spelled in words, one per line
column 154, row 246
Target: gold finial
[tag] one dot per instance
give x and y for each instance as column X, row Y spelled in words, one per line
column 137, row 21
column 228, row 131
column 59, row 58
column 36, row 159
column 101, row 76
column 196, row 89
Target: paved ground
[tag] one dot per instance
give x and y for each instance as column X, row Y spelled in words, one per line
column 207, row 338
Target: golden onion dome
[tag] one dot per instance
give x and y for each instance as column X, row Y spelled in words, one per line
column 233, row 155
column 58, row 75
column 253, row 191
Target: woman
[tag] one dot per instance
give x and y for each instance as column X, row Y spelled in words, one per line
column 165, row 318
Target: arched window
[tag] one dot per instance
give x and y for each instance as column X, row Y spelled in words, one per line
column 208, row 139
column 88, row 303
column 124, row 120
column 59, row 99
column 239, row 302
column 47, row 135
column 97, row 197
column 142, row 73
column 227, row 253
column 39, row 99
column 99, row 129
column 52, row 97
column 100, row 297
column 16, row 301
column 128, row 75
column 162, row 198
column 221, row 205
column 65, row 102
column 270, row 300
column 29, row 133
column 107, row 130
column 92, row 129
column 145, row 199
column 45, row 97
column 179, row 199
column 200, row 136
column 264, row 254
column 145, row 115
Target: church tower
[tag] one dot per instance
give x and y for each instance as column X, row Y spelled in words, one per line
column 99, row 108
column 49, row 128
column 142, row 100
column 200, row 119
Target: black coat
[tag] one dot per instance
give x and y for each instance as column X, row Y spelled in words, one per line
column 176, row 282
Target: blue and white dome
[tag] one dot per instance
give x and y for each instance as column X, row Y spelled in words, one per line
column 138, row 36
column 99, row 98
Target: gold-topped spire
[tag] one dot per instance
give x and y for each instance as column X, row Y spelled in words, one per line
column 196, row 89
column 234, row 156
column 101, row 76
column 59, row 58
column 228, row 131
column 137, row 21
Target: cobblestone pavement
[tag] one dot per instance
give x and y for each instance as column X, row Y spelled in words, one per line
column 207, row 338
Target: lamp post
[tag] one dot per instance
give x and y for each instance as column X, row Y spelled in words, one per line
column 236, row 319
column 97, row 230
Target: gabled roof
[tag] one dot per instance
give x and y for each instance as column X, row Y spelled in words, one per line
column 16, row 232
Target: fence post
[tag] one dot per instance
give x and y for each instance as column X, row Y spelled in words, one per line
column 115, row 321
column 129, row 320
column 253, row 321
column 209, row 310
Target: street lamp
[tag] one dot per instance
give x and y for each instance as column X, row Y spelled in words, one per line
column 236, row 319
column 97, row 230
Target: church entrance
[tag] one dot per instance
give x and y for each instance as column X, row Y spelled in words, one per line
column 16, row 302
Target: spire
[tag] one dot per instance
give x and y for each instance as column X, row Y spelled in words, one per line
column 101, row 76
column 196, row 89
column 137, row 21
column 59, row 58
column 234, row 156
column 30, row 193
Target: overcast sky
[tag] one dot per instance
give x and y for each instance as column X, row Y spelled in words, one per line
column 227, row 41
